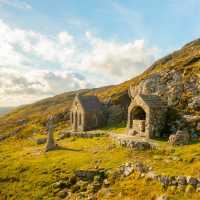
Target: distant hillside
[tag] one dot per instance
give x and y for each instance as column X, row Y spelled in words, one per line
column 5, row 110
column 175, row 77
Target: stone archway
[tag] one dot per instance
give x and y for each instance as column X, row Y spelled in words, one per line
column 137, row 121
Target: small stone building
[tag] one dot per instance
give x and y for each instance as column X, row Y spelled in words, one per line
column 86, row 113
column 146, row 116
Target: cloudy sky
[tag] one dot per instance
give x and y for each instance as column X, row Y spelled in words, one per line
column 51, row 46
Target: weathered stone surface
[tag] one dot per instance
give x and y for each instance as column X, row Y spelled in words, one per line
column 115, row 114
column 181, row 180
column 62, row 194
column 22, row 121
column 195, row 103
column 127, row 169
column 165, row 181
column 192, row 181
column 180, row 138
column 41, row 141
column 86, row 113
column 51, row 145
column 2, row 137
column 130, row 142
column 146, row 116
column 141, row 168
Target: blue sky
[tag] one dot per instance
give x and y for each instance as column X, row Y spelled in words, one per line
column 56, row 46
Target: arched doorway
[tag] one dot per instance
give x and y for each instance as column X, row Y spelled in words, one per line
column 138, row 121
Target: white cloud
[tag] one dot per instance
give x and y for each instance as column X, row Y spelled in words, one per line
column 118, row 59
column 19, row 4
column 34, row 65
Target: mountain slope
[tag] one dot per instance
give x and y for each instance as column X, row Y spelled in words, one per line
column 175, row 77
column 5, row 110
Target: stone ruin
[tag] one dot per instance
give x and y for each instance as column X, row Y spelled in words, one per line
column 146, row 115
column 86, row 113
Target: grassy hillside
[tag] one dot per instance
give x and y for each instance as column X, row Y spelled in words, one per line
column 27, row 172
column 186, row 61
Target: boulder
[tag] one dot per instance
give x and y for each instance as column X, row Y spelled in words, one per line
column 141, row 168
column 192, row 181
column 2, row 137
column 127, row 169
column 195, row 103
column 62, row 194
column 64, row 134
column 181, row 180
column 180, row 138
column 41, row 141
column 165, row 181
column 22, row 121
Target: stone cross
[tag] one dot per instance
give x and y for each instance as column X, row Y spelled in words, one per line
column 51, row 145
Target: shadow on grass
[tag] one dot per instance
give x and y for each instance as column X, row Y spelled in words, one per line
column 57, row 148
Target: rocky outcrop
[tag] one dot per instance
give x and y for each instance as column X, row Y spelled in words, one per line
column 41, row 141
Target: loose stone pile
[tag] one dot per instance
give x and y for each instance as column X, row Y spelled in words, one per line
column 131, row 143
column 86, row 184
column 83, row 184
column 181, row 183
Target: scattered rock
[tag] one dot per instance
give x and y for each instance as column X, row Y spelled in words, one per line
column 22, row 121
column 192, row 181
column 62, row 194
column 141, row 168
column 181, row 180
column 106, row 183
column 61, row 184
column 195, row 103
column 127, row 169
column 64, row 134
column 165, row 181
column 41, row 141
column 2, row 137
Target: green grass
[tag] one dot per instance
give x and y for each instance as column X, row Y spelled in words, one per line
column 27, row 172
